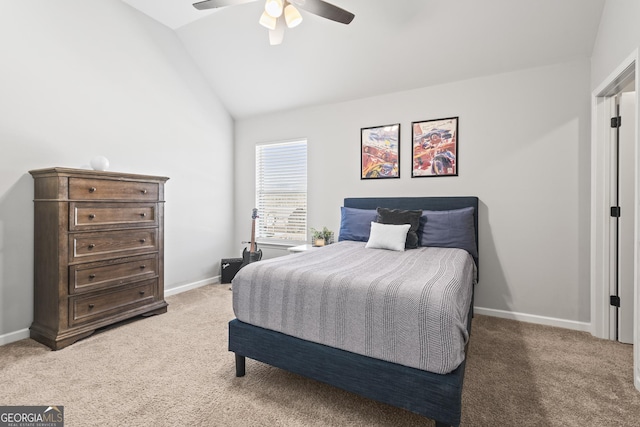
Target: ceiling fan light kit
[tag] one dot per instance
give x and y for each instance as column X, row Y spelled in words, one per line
column 272, row 17
column 273, row 8
column 292, row 16
column 267, row 21
column 276, row 36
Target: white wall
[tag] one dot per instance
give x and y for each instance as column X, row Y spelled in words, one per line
column 84, row 78
column 523, row 150
column 618, row 36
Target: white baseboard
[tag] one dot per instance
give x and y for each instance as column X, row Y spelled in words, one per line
column 14, row 336
column 24, row 333
column 189, row 286
column 532, row 318
column 523, row 317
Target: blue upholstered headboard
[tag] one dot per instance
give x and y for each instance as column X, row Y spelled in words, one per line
column 423, row 203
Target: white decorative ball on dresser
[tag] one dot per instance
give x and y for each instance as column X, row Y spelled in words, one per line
column 99, row 163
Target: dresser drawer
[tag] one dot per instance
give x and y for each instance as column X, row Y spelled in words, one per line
column 111, row 244
column 89, row 216
column 106, row 189
column 90, row 308
column 95, row 276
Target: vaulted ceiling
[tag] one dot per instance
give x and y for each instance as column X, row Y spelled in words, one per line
column 391, row 46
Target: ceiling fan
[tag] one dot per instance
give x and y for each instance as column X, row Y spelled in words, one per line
column 280, row 13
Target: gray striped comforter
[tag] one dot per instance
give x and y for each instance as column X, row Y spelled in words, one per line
column 404, row 307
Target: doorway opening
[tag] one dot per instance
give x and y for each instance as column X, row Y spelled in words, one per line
column 623, row 214
column 615, row 262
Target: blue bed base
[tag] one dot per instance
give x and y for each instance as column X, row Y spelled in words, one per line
column 434, row 396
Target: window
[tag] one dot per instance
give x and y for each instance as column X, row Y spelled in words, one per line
column 281, row 191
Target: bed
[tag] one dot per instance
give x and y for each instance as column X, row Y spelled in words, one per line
column 417, row 365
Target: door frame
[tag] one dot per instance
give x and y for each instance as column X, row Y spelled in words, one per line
column 601, row 104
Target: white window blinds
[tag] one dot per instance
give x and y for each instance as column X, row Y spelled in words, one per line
column 281, row 191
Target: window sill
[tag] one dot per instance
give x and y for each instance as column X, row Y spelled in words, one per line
column 279, row 245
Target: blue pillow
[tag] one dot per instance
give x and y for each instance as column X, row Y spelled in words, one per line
column 355, row 224
column 449, row 229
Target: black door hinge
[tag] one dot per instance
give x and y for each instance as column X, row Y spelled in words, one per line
column 616, row 122
column 615, row 211
column 614, row 300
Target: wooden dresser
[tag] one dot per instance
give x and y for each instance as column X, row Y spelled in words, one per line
column 98, row 251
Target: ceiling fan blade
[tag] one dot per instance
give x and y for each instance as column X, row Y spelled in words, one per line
column 213, row 4
column 324, row 9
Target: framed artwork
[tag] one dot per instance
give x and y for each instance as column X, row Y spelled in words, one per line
column 435, row 147
column 380, row 152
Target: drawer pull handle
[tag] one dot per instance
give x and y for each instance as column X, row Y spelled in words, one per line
column 92, row 276
column 143, row 191
column 91, row 306
column 91, row 216
column 92, row 189
column 141, row 292
column 143, row 214
column 143, row 240
column 143, row 266
column 91, row 246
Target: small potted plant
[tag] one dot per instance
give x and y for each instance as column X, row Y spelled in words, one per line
column 321, row 237
column 317, row 237
column 328, row 236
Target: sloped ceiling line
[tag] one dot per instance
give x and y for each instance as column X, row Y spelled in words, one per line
column 390, row 46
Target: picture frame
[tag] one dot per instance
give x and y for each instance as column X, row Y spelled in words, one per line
column 434, row 148
column 380, row 152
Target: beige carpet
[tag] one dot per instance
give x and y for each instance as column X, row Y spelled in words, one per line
column 174, row 370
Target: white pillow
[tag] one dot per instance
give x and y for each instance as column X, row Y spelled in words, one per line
column 388, row 236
